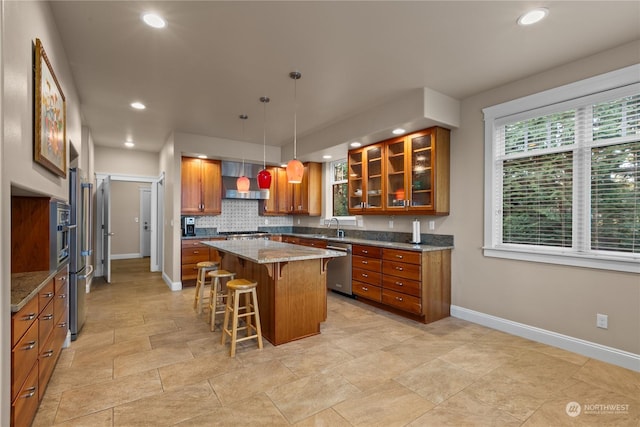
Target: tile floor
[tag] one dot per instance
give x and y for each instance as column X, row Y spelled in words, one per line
column 144, row 358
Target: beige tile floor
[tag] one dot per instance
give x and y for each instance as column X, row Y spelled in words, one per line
column 144, row 358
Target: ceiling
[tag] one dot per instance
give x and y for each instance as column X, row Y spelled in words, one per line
column 214, row 60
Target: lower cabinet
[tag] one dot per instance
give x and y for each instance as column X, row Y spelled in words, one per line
column 417, row 283
column 38, row 332
column 193, row 252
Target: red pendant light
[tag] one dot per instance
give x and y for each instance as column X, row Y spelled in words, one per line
column 295, row 169
column 264, row 176
column 242, row 183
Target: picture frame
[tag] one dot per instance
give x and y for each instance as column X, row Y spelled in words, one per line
column 50, row 116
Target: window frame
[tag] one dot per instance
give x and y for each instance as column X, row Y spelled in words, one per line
column 328, row 193
column 589, row 90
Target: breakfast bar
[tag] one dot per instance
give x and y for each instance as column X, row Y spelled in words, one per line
column 292, row 288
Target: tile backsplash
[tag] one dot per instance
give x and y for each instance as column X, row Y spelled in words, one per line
column 241, row 215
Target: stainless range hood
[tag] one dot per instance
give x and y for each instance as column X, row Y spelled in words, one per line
column 231, row 171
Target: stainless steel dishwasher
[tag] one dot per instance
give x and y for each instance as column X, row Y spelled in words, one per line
column 339, row 269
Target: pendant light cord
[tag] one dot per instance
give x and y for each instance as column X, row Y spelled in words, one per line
column 295, row 117
column 243, row 117
column 264, row 132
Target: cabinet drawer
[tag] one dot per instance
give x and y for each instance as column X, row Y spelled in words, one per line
column 23, row 319
column 409, row 257
column 49, row 353
column 401, row 269
column 61, row 280
column 193, row 243
column 46, row 319
column 368, row 251
column 366, row 290
column 195, row 255
column 25, row 404
column 366, row 263
column 399, row 284
column 402, row 301
column 23, row 356
column 45, row 295
column 366, row 276
column 189, row 272
column 61, row 302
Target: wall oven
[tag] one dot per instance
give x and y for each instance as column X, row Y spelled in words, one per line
column 59, row 238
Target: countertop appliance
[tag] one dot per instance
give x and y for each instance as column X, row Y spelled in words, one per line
column 188, row 226
column 81, row 248
column 339, row 269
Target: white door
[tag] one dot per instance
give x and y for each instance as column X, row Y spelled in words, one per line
column 106, row 229
column 145, row 222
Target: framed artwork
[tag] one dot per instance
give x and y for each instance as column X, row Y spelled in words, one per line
column 50, row 116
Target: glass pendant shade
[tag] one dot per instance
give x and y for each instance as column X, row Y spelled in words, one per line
column 295, row 171
column 264, row 179
column 242, row 184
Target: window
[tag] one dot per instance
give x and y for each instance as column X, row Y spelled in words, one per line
column 339, row 188
column 563, row 178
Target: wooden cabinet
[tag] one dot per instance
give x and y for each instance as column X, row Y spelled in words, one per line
column 411, row 282
column 294, row 199
column 314, row 243
column 194, row 251
column 38, row 332
column 201, row 186
column 366, row 277
column 415, row 170
column 366, row 169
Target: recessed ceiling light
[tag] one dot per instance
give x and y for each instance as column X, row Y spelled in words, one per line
column 154, row 20
column 138, row 105
column 129, row 144
column 326, row 156
column 398, row 131
column 533, row 16
column 202, row 156
column 355, row 144
column 284, row 165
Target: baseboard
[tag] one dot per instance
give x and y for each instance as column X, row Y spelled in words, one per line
column 125, row 256
column 174, row 286
column 611, row 355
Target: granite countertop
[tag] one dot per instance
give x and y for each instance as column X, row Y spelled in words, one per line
column 267, row 251
column 25, row 286
column 384, row 244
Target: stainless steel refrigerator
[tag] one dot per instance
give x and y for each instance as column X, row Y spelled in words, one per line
column 81, row 247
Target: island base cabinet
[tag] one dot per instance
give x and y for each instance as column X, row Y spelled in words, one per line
column 292, row 296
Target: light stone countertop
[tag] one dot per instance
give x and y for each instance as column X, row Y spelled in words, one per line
column 25, row 286
column 267, row 251
column 392, row 245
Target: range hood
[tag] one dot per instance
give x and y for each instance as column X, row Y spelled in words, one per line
column 231, row 171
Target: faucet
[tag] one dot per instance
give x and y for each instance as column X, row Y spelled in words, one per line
column 339, row 233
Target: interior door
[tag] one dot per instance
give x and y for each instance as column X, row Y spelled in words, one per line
column 106, row 229
column 145, row 222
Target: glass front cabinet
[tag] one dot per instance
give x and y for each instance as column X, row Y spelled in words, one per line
column 414, row 171
column 366, row 171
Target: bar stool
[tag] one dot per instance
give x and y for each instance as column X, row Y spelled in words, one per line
column 203, row 268
column 236, row 288
column 216, row 295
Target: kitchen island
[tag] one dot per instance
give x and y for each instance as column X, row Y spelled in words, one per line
column 292, row 284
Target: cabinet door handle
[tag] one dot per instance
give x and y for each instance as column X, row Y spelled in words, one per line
column 365, row 275
column 399, row 256
column 47, row 353
column 47, row 317
column 47, row 295
column 63, row 278
column 62, row 296
column 364, row 251
column 365, row 262
column 399, row 283
column 62, row 325
column 29, row 316
column 399, row 268
column 196, row 252
column 364, row 288
column 399, row 299
column 30, row 345
column 30, row 392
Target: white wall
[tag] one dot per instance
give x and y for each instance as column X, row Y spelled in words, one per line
column 22, row 23
column 123, row 161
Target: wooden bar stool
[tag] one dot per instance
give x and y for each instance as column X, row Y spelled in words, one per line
column 203, row 268
column 236, row 288
column 217, row 296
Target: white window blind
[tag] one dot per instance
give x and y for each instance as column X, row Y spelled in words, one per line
column 565, row 181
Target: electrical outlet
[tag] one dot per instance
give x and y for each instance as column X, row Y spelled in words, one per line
column 298, row 220
column 602, row 321
column 266, row 221
column 136, row 219
column 390, row 223
column 432, row 225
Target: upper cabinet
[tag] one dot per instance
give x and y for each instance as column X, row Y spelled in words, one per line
column 201, row 187
column 366, row 183
column 295, row 199
column 414, row 170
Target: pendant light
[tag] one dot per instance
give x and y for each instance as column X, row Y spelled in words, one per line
column 264, row 176
column 243, row 182
column 295, row 169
